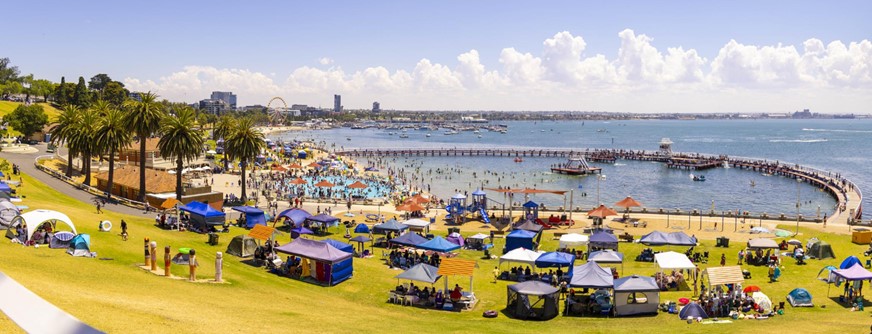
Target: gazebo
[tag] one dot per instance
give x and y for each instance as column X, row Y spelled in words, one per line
column 532, row 300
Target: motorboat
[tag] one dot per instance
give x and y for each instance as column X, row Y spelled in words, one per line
column 428, row 135
column 697, row 177
column 404, row 135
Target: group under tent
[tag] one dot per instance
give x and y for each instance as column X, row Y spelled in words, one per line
column 321, row 261
column 636, row 295
column 34, row 220
column 532, row 300
column 203, row 216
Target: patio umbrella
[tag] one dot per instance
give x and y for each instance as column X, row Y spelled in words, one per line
column 314, row 165
column 324, row 183
column 602, row 211
column 358, row 185
column 295, row 166
column 419, row 199
column 278, row 168
column 168, row 203
column 628, row 203
column 298, row 181
column 751, row 288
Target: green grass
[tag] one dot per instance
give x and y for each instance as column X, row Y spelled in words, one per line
column 7, row 107
column 116, row 296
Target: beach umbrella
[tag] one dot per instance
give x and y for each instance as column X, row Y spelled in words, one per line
column 628, row 203
column 295, row 166
column 314, row 165
column 298, row 181
column 601, row 212
column 410, row 207
column 278, row 168
column 324, row 184
column 751, row 288
column 168, row 203
column 419, row 199
column 358, row 185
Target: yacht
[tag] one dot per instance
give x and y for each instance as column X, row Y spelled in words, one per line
column 403, row 135
column 451, row 132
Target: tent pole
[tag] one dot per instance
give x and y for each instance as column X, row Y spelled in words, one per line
column 571, row 192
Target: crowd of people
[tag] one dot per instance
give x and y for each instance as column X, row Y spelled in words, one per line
column 408, row 258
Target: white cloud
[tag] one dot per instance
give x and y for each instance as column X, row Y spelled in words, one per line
column 561, row 76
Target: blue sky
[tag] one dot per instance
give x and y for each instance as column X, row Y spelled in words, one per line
column 307, row 51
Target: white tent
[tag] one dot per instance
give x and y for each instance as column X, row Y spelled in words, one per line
column 419, row 223
column 8, row 212
column 673, row 260
column 481, row 236
column 572, row 240
column 521, row 255
column 35, row 218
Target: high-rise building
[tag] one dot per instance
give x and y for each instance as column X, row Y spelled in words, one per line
column 337, row 103
column 376, row 107
column 228, row 97
column 213, row 106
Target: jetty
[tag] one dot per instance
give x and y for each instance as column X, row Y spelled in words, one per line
column 847, row 194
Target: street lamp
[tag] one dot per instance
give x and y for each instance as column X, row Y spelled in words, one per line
column 798, row 181
column 598, row 178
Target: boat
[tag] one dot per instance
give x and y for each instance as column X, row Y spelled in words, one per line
column 479, row 136
column 575, row 166
column 348, row 138
column 428, row 135
column 451, row 132
column 697, row 177
column 404, row 135
column 519, row 159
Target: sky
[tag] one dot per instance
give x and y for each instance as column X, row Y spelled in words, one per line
column 617, row 56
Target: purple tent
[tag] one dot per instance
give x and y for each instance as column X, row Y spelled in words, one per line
column 455, row 238
column 297, row 216
column 655, row 238
column 603, row 240
column 324, row 219
column 409, row 239
column 333, row 265
column 855, row 273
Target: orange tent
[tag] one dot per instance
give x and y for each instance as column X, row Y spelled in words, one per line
column 169, row 203
column 602, row 211
column 298, row 181
column 628, row 202
column 324, row 183
column 358, row 185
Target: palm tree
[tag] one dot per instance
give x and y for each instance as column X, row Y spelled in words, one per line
column 63, row 131
column 143, row 119
column 181, row 140
column 244, row 143
column 83, row 139
column 221, row 130
column 111, row 136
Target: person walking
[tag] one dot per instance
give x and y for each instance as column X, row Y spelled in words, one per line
column 98, row 207
column 496, row 274
column 123, row 230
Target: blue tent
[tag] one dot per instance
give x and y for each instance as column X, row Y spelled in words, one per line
column 409, row 239
column 849, row 262
column 693, row 311
column 253, row 216
column 340, row 245
column 518, row 239
column 80, row 245
column 324, row 219
column 603, row 239
column 4, row 187
column 555, row 259
column 389, row 226
column 361, row 228
column 438, row 244
column 799, row 297
column 530, row 205
column 297, row 216
column 203, row 215
column 655, row 238
column 591, row 275
column 680, row 239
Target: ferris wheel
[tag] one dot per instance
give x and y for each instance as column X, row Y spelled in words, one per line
column 276, row 114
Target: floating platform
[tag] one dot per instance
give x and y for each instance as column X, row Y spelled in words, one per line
column 575, row 166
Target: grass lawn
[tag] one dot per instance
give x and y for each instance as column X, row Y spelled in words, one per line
column 116, row 296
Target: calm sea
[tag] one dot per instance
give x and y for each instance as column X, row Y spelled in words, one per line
column 839, row 146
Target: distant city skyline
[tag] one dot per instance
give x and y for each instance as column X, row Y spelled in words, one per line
column 623, row 56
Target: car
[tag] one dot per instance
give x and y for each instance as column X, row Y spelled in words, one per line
column 32, row 142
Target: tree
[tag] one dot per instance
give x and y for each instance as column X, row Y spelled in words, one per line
column 143, row 119
column 7, row 73
column 27, row 119
column 225, row 125
column 115, row 93
column 82, row 97
column 111, row 136
column 61, row 93
column 42, row 87
column 64, row 131
column 180, row 140
column 83, row 139
column 244, row 143
column 99, row 82
column 10, row 88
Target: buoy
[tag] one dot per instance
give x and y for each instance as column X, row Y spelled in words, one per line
column 105, row 226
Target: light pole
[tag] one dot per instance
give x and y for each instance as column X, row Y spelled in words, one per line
column 798, row 180
column 598, row 178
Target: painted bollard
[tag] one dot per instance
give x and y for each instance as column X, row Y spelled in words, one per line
column 192, row 266
column 219, row 263
column 167, row 261
column 153, row 250
column 147, row 255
